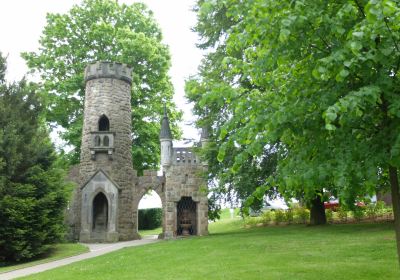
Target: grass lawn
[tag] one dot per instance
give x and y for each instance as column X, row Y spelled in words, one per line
column 155, row 231
column 56, row 252
column 350, row 251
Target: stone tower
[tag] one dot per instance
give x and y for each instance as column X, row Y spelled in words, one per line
column 106, row 169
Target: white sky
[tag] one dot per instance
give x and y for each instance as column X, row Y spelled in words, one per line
column 22, row 22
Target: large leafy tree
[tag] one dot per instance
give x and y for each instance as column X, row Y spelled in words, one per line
column 32, row 191
column 325, row 85
column 213, row 24
column 104, row 30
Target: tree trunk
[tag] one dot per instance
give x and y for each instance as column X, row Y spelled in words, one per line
column 317, row 213
column 394, row 184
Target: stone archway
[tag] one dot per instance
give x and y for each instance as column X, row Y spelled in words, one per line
column 99, row 209
column 150, row 212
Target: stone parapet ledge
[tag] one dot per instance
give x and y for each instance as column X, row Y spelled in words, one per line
column 111, row 70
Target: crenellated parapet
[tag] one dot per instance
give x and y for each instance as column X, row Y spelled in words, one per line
column 112, row 70
column 184, row 156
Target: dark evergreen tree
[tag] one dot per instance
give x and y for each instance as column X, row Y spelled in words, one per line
column 32, row 191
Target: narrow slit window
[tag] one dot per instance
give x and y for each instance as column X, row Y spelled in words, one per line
column 106, row 141
column 97, row 141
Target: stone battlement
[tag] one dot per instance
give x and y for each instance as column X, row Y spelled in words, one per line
column 184, row 156
column 110, row 70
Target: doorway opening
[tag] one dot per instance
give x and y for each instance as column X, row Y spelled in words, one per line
column 186, row 217
column 100, row 213
column 150, row 214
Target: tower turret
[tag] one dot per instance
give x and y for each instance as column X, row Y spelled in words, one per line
column 205, row 136
column 166, row 141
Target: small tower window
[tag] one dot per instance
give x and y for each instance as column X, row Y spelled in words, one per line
column 106, row 141
column 97, row 140
column 104, row 123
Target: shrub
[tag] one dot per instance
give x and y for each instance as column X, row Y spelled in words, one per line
column 279, row 216
column 380, row 207
column 253, row 221
column 358, row 213
column 329, row 215
column 150, row 218
column 289, row 216
column 342, row 213
column 266, row 217
column 371, row 211
column 302, row 215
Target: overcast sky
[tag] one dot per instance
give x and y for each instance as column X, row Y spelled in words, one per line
column 22, row 22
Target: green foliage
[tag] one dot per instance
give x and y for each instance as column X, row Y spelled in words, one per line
column 318, row 80
column 329, row 215
column 359, row 213
column 214, row 209
column 279, row 216
column 150, row 218
column 253, row 221
column 289, row 216
column 104, row 30
column 371, row 211
column 302, row 215
column 267, row 217
column 32, row 191
column 342, row 214
column 380, row 207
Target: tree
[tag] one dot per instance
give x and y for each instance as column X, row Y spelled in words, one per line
column 104, row 30
column 32, row 191
column 213, row 78
column 327, row 86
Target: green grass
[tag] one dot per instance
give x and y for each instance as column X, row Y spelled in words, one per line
column 155, row 231
column 350, row 251
column 56, row 252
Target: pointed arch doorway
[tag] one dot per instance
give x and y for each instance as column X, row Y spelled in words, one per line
column 100, row 214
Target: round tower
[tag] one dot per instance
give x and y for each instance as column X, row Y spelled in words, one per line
column 106, row 173
column 106, row 133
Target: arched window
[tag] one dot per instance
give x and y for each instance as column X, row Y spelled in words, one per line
column 106, row 141
column 97, row 141
column 104, row 123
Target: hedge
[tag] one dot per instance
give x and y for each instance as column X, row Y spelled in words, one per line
column 150, row 218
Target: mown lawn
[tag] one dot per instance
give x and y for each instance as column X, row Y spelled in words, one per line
column 145, row 232
column 55, row 252
column 352, row 251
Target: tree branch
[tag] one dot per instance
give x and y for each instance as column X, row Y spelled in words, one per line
column 360, row 8
column 391, row 34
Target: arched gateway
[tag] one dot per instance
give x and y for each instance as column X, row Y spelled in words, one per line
column 105, row 205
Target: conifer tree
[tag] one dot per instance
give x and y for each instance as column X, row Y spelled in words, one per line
column 32, row 191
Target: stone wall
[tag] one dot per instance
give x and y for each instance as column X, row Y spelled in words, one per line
column 149, row 181
column 185, row 178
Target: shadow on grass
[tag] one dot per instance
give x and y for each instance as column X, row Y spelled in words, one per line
column 46, row 254
column 51, row 253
